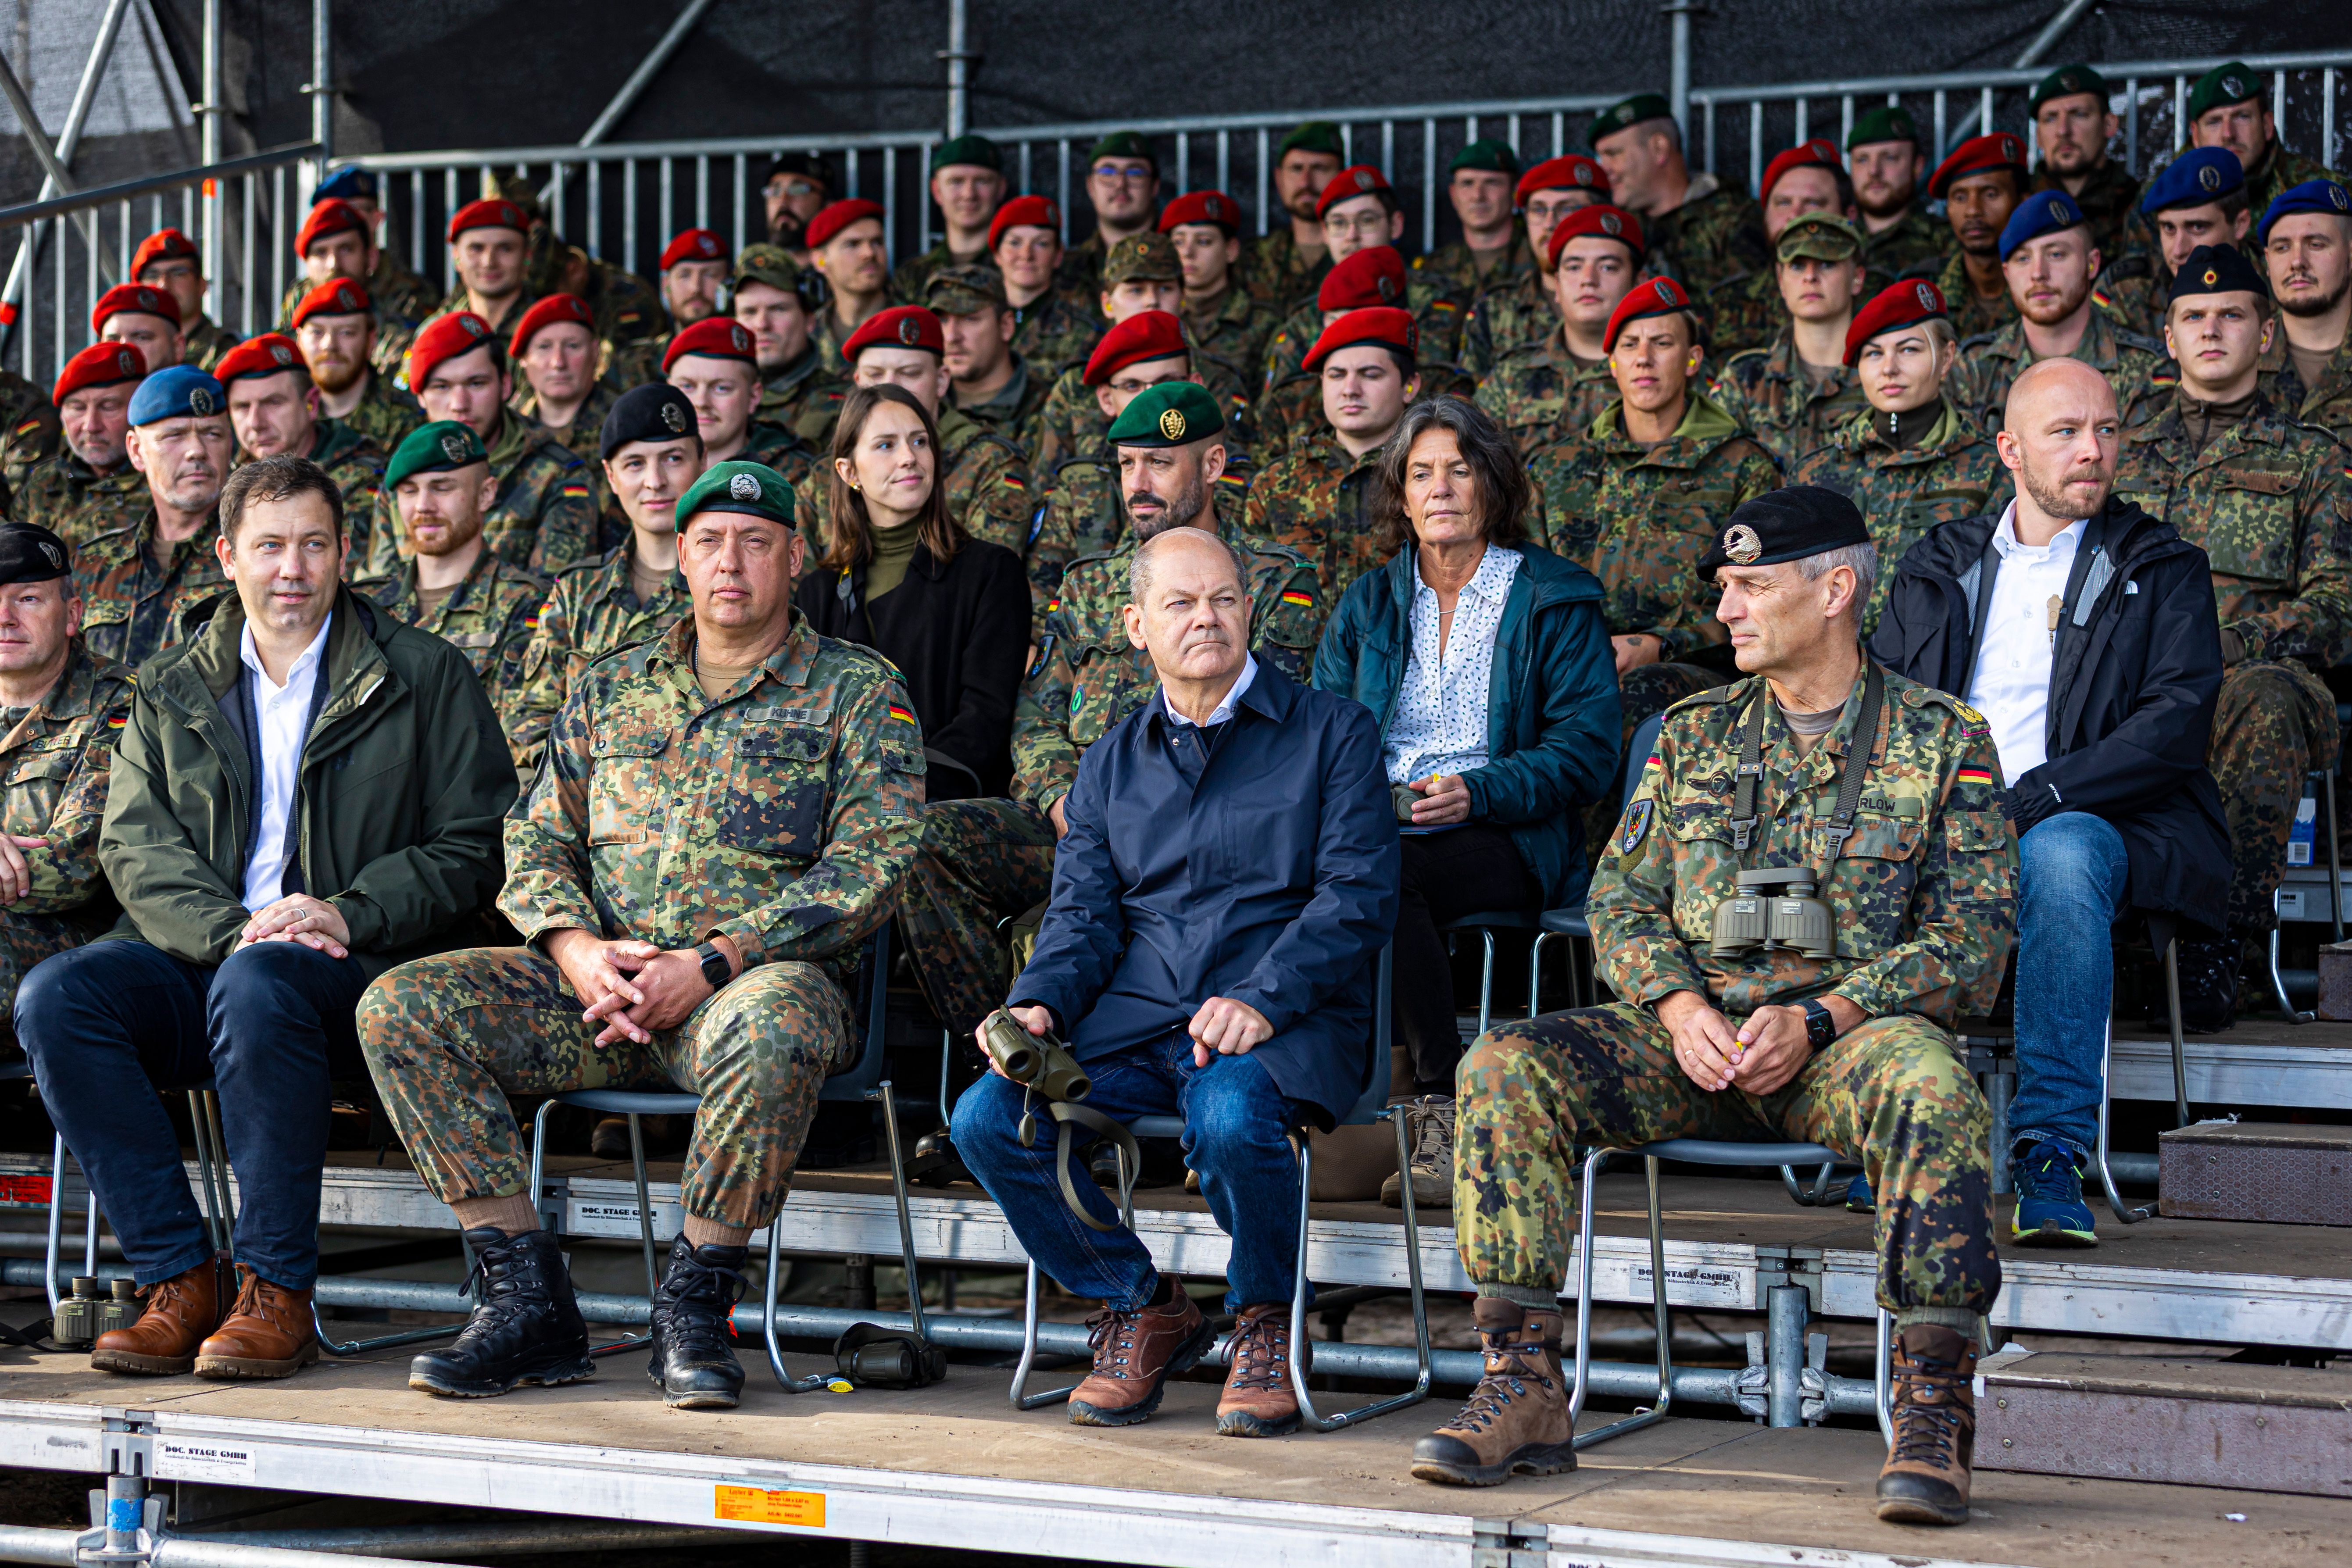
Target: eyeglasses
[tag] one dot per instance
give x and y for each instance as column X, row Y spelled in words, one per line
column 1128, row 174
column 1371, row 225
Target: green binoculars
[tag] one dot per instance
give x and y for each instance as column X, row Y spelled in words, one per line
column 1035, row 1061
column 1778, row 910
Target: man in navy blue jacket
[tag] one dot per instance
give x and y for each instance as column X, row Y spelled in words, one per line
column 1228, row 879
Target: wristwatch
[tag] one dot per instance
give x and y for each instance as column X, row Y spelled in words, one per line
column 716, row 970
column 1821, row 1030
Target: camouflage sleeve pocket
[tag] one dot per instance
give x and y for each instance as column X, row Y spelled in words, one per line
column 1976, row 832
column 1977, row 864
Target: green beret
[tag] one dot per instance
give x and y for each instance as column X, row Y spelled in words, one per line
column 768, row 264
column 1315, row 136
column 1124, row 145
column 1627, row 112
column 1489, row 154
column 977, row 151
column 1173, row 414
column 1824, row 236
column 1888, row 122
column 433, row 448
column 2066, row 82
column 965, row 289
column 752, row 489
column 2222, row 86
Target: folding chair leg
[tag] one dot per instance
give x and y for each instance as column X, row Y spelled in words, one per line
column 2278, row 987
column 552, row 1217
column 1816, row 1198
column 784, row 1380
column 2107, row 1177
column 1022, row 1401
column 1487, row 980
column 198, row 1122
column 1298, row 1329
column 1661, row 1319
column 1535, row 974
column 1882, row 1375
column 55, row 1251
column 645, row 1203
column 906, row 1222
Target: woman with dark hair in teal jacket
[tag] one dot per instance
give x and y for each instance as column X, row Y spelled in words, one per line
column 1486, row 662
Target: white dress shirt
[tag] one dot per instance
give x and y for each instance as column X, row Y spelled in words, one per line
column 282, row 711
column 2012, row 684
column 1440, row 725
column 1224, row 709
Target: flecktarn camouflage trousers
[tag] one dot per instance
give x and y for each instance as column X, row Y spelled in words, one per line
column 980, row 860
column 2272, row 724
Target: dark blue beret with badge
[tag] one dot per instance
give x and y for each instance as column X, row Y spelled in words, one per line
column 2199, row 176
column 2311, row 196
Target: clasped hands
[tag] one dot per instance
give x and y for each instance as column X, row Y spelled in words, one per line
column 1759, row 1057
column 634, row 988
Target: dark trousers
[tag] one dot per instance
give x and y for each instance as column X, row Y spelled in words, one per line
column 1462, row 870
column 109, row 1025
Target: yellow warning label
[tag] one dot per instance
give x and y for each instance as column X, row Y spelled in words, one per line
column 757, row 1505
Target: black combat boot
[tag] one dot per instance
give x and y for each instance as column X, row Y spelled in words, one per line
column 693, row 1359
column 527, row 1328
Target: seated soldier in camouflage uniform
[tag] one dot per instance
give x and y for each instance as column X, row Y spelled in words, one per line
column 1360, row 210
column 848, row 246
column 772, row 780
column 545, row 514
column 142, row 574
column 2199, row 199
column 983, row 860
column 1911, row 459
column 2073, row 126
column 1050, row 332
column 338, row 333
column 2049, row 260
column 1554, row 386
column 2230, row 106
column 491, row 255
column 147, row 318
column 1793, row 390
column 273, row 408
column 967, row 184
column 1701, row 229
column 1745, row 310
column 1492, row 254
column 1883, row 159
column 2306, row 238
column 90, row 485
column 1290, row 410
column 558, row 390
column 714, row 362
column 60, row 708
column 400, row 293
column 989, row 382
column 800, row 387
column 986, row 477
column 1883, row 793
column 1285, row 264
column 337, row 244
column 1320, row 498
column 450, row 583
column 2270, row 502
column 1981, row 185
column 29, row 429
column 1521, row 312
column 169, row 260
column 1219, row 314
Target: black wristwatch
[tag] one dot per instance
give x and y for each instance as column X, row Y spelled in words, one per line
column 1821, row 1030
column 716, row 970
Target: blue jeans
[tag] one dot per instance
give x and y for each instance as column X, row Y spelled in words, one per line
column 2074, row 879
column 1236, row 1127
column 108, row 1024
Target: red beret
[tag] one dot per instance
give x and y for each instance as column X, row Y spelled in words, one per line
column 1146, row 335
column 1651, row 297
column 900, row 326
column 1574, row 172
column 833, row 218
column 1818, row 153
column 1202, row 207
column 1373, row 324
column 330, row 218
column 444, row 338
column 335, row 297
column 487, row 215
column 1977, row 155
column 1024, row 212
column 713, row 337
column 1600, row 218
column 100, row 365
column 1373, row 275
column 163, row 244
column 265, row 355
column 139, row 298
column 1896, row 306
column 693, row 245
column 1362, row 180
column 546, row 313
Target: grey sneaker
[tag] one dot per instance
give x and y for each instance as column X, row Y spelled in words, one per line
column 1429, row 1127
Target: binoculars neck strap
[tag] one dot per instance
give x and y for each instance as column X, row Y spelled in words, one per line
column 1068, row 1115
column 1744, row 815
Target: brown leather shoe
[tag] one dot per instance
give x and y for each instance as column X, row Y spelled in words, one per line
column 1134, row 1353
column 1258, row 1401
column 1516, row 1421
column 1925, row 1477
column 270, row 1334
column 180, row 1312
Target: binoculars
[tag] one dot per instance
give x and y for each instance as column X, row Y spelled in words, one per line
column 1760, row 915
column 1039, row 1062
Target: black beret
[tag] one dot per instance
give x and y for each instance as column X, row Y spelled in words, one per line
column 30, row 553
column 654, row 411
column 2217, row 270
column 1785, row 525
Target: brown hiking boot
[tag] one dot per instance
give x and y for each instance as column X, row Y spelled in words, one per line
column 270, row 1334
column 1430, row 1120
column 1134, row 1353
column 1258, row 1401
column 1926, row 1479
column 180, row 1312
column 1516, row 1422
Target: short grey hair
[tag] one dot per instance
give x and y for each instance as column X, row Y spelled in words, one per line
column 1139, row 569
column 1863, row 559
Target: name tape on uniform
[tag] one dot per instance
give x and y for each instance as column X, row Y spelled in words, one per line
column 757, row 1505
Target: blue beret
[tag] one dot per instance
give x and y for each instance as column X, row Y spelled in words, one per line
column 176, row 392
column 2311, row 196
column 2198, row 176
column 351, row 184
column 2043, row 212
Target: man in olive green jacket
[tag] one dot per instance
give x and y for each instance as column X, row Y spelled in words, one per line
column 307, row 792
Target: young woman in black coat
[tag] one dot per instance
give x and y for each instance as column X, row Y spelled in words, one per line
column 904, row 578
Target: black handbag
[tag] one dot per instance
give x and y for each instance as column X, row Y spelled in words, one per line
column 873, row 1356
